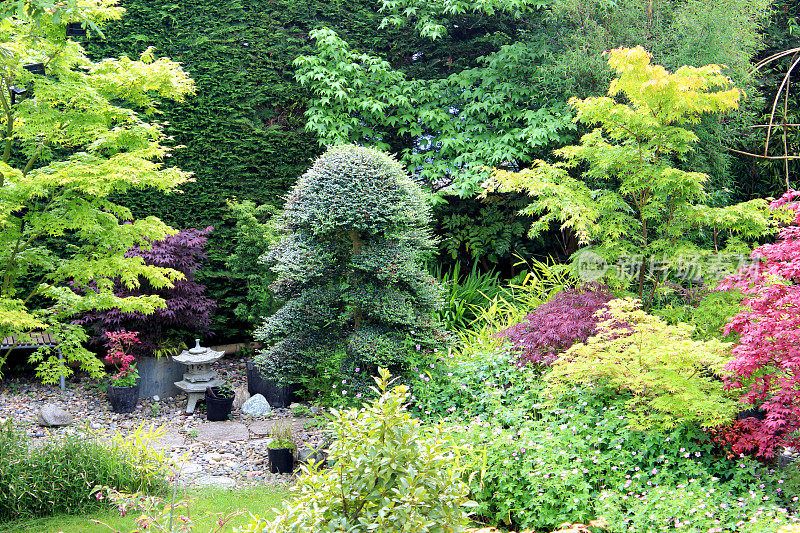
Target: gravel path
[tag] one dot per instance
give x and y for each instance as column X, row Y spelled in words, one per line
column 209, row 453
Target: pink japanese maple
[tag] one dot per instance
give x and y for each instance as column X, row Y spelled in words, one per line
column 766, row 364
column 118, row 344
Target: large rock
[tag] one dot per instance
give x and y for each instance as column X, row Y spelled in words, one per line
column 51, row 415
column 256, row 406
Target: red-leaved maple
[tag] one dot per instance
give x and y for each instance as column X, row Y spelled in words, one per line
column 550, row 329
column 766, row 363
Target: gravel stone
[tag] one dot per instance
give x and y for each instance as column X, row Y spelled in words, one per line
column 244, row 461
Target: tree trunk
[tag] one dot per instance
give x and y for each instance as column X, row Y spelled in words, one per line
column 358, row 246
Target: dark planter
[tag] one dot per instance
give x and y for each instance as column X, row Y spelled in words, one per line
column 157, row 376
column 218, row 409
column 281, row 460
column 74, row 29
column 785, row 461
column 276, row 395
column 756, row 413
column 123, row 399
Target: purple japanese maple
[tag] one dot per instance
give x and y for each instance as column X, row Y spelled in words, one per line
column 553, row 327
column 188, row 309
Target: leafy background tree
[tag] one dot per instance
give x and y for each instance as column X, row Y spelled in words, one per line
column 631, row 201
column 82, row 132
column 355, row 234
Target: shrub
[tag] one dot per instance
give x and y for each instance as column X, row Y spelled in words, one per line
column 575, row 457
column 59, row 475
column 118, row 346
column 186, row 309
column 389, row 474
column 767, row 355
column 551, row 328
column 708, row 311
column 671, row 377
column 255, row 232
column 465, row 295
column 355, row 234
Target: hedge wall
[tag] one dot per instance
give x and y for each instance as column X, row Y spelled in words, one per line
column 244, row 130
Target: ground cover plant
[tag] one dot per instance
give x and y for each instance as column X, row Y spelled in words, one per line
column 576, row 453
column 60, row 475
column 571, row 455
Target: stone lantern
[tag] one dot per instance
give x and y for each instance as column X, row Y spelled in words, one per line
column 199, row 375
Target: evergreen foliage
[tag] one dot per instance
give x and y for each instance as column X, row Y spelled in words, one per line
column 389, row 473
column 83, row 132
column 255, row 232
column 355, row 234
column 244, row 129
column 672, row 378
column 511, row 103
column 550, row 329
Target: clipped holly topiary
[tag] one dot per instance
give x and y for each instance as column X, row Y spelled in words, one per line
column 389, row 473
column 551, row 328
column 349, row 264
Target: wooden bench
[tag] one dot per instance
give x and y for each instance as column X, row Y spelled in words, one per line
column 37, row 340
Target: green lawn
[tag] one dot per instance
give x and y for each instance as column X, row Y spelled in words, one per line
column 263, row 501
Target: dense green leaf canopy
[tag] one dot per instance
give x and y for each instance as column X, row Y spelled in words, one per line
column 78, row 134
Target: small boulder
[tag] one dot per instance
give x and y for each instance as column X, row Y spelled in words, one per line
column 51, row 415
column 309, row 455
column 256, row 406
column 242, row 395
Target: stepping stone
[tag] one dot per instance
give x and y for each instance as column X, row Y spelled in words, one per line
column 262, row 427
column 188, row 469
column 222, row 431
column 168, row 440
column 215, row 481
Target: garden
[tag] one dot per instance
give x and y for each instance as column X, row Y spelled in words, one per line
column 399, row 266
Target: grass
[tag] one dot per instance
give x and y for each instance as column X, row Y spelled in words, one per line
column 263, row 501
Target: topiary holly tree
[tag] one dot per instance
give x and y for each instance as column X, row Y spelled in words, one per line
column 355, row 235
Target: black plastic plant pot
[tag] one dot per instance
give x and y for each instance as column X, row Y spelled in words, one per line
column 123, row 399
column 35, row 68
column 281, row 460
column 75, row 29
column 217, row 408
column 276, row 395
